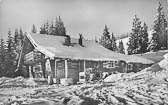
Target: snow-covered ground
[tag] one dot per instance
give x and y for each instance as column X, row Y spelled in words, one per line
column 148, row 87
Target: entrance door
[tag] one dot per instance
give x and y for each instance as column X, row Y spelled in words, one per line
column 123, row 67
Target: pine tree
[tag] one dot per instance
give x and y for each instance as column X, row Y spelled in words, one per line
column 113, row 43
column 57, row 29
column 121, row 48
column 10, row 65
column 2, row 57
column 51, row 31
column 133, row 43
column 105, row 39
column 159, row 36
column 47, row 28
column 34, row 30
column 9, row 41
column 108, row 41
column 17, row 41
column 16, row 36
column 60, row 29
column 43, row 29
column 21, row 36
column 143, row 39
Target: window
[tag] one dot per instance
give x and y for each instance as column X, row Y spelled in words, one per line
column 130, row 66
column 116, row 63
column 110, row 64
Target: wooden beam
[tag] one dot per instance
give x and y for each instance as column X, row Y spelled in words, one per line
column 66, row 69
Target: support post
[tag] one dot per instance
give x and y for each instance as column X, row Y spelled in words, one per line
column 84, row 66
column 66, row 69
column 55, row 68
column 126, row 66
column 30, row 73
column 41, row 71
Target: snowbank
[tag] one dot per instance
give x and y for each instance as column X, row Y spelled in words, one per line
column 148, row 87
column 6, row 82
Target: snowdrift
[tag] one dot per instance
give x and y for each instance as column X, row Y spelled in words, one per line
column 6, row 82
column 148, row 87
column 157, row 71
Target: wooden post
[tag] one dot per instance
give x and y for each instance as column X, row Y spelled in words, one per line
column 66, row 69
column 55, row 68
column 84, row 66
column 41, row 71
column 126, row 66
column 30, row 73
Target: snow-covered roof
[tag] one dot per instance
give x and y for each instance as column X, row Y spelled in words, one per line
column 53, row 46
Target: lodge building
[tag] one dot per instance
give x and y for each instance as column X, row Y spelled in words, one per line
column 65, row 57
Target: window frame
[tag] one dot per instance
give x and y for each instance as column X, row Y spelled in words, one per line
column 109, row 64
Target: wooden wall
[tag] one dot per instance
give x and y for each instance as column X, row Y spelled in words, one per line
column 28, row 47
column 119, row 66
column 73, row 70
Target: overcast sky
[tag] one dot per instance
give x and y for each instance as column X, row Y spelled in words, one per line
column 79, row 16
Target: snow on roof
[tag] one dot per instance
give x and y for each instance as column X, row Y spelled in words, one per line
column 53, row 46
column 133, row 58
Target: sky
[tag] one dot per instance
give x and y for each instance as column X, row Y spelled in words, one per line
column 79, row 16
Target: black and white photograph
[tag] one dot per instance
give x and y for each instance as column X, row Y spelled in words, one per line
column 83, row 52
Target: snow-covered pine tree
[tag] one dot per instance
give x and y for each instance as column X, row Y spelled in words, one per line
column 143, row 39
column 2, row 57
column 113, row 43
column 133, row 43
column 159, row 36
column 105, row 39
column 57, row 29
column 34, row 30
column 121, row 48
column 60, row 29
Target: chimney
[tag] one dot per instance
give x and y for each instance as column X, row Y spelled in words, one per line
column 80, row 40
column 67, row 40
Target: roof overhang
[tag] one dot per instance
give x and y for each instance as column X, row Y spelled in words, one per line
column 39, row 48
